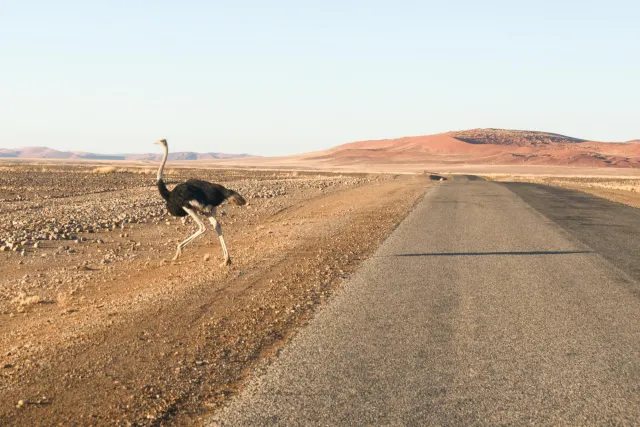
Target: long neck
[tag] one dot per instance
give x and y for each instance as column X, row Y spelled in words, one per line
column 164, row 160
column 164, row 191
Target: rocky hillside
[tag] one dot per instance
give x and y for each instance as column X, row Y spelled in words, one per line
column 514, row 138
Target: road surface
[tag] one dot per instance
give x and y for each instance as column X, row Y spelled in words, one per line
column 490, row 304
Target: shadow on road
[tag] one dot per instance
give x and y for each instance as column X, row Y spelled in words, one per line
column 494, row 253
column 467, row 178
column 611, row 229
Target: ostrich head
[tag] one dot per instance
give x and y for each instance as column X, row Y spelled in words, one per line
column 162, row 142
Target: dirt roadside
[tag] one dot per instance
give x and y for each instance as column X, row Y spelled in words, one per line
column 149, row 342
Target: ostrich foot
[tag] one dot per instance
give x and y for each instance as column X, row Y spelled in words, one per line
column 178, row 253
column 226, row 262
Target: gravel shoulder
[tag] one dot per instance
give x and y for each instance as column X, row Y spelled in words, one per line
column 96, row 327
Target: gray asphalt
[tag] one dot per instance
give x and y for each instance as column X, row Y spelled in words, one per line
column 485, row 306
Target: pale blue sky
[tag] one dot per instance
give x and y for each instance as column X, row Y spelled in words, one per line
column 279, row 77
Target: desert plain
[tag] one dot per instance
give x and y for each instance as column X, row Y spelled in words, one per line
column 98, row 326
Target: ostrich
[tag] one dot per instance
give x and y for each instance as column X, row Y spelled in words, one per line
column 196, row 197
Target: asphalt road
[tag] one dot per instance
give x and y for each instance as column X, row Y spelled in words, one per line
column 490, row 304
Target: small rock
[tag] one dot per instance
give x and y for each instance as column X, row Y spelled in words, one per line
column 207, row 257
column 20, row 404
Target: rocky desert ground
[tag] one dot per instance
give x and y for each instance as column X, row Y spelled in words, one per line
column 97, row 327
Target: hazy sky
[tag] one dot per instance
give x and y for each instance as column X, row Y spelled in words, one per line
column 280, row 77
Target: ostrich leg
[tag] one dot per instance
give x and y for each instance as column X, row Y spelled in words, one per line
column 201, row 229
column 225, row 252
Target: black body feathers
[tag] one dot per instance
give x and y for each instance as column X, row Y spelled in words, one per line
column 201, row 196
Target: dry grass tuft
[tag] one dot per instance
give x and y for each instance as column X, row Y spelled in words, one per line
column 139, row 171
column 105, row 169
column 63, row 299
column 113, row 169
column 23, row 300
column 146, row 171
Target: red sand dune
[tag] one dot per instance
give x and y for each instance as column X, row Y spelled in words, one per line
column 485, row 146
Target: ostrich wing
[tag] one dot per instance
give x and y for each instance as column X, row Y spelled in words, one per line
column 214, row 194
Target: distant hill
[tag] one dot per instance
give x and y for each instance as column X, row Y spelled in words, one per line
column 50, row 153
column 467, row 147
column 482, row 146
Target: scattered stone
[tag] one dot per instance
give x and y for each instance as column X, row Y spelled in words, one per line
column 139, row 203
